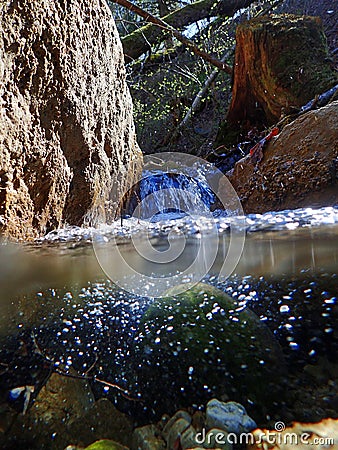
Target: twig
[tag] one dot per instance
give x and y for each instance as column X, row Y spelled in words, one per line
column 38, row 349
column 86, row 375
column 269, row 8
column 124, row 392
column 93, row 365
column 197, row 101
column 5, row 368
column 189, row 76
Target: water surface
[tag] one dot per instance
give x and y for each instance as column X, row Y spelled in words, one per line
column 54, row 294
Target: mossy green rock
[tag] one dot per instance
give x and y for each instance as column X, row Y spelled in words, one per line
column 105, row 444
column 200, row 344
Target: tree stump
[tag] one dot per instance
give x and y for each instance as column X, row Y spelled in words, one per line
column 281, row 62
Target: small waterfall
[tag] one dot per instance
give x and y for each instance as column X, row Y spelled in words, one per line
column 173, row 195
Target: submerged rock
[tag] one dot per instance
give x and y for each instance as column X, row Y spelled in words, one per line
column 102, row 421
column 147, row 438
column 299, row 167
column 217, row 439
column 179, row 415
column 62, row 400
column 181, row 430
column 58, row 404
column 65, row 413
column 103, row 444
column 231, row 417
column 202, row 343
column 67, row 134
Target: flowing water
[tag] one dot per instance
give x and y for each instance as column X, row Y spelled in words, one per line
column 61, row 307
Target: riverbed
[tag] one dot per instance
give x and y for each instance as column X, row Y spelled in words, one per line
column 59, row 302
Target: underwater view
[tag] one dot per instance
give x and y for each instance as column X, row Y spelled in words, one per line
column 173, row 334
column 168, row 225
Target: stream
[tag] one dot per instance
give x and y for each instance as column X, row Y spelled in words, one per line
column 67, row 313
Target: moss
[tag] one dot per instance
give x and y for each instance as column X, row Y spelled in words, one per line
column 298, row 60
column 198, row 346
column 105, row 444
column 165, row 55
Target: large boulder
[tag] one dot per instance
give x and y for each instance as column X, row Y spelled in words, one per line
column 67, row 135
column 202, row 343
column 299, row 167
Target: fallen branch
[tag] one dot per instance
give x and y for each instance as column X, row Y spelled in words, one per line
column 156, row 59
column 195, row 104
column 139, row 41
column 318, row 102
column 179, row 36
column 124, row 392
column 200, row 95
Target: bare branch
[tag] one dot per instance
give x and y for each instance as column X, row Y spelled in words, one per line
column 179, row 36
column 134, row 44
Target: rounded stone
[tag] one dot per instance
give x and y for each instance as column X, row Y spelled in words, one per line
column 231, row 417
column 200, row 344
